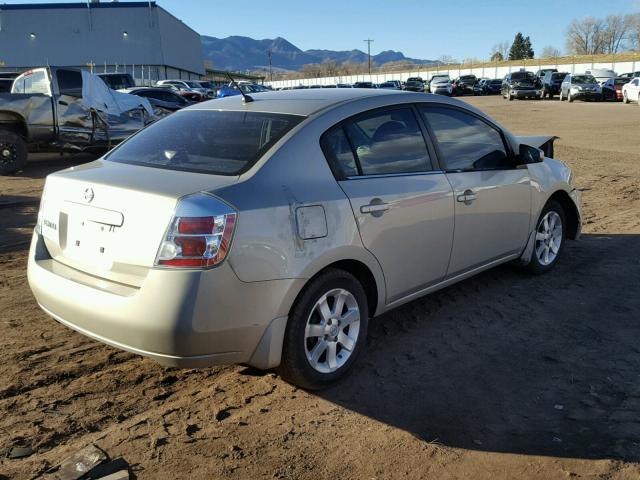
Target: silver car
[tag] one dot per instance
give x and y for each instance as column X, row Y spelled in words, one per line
column 269, row 232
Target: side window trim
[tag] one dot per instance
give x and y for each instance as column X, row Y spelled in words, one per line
column 440, row 156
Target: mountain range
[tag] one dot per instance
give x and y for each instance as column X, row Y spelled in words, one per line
column 244, row 53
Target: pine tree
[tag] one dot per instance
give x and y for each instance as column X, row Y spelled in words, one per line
column 528, row 49
column 521, row 48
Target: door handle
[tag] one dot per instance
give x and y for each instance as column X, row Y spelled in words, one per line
column 62, row 102
column 375, row 208
column 467, row 197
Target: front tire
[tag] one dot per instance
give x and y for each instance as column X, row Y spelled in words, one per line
column 326, row 331
column 569, row 97
column 549, row 238
column 13, row 152
column 625, row 98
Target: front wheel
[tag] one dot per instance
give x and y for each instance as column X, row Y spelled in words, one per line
column 13, row 152
column 569, row 97
column 326, row 331
column 549, row 238
column 625, row 98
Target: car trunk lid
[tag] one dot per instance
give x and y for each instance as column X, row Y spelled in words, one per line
column 108, row 219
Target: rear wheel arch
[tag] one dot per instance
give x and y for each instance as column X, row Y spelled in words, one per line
column 12, row 122
column 572, row 217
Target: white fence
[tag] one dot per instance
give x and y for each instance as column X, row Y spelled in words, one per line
column 456, row 71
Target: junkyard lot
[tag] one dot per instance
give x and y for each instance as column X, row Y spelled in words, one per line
column 503, row 375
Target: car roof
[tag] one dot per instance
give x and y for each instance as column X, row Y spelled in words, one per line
column 303, row 102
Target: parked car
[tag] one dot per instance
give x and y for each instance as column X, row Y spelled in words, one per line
column 204, row 239
column 551, row 82
column 631, row 91
column 363, row 85
column 191, row 85
column 118, row 81
column 329, row 86
column 464, row 84
column 612, row 88
column 580, row 87
column 389, row 86
column 162, row 100
column 441, row 84
column 414, row 84
column 492, row 87
column 478, row 88
column 188, row 93
column 64, row 109
column 521, row 84
column 209, row 87
column 630, row 75
column 601, row 74
column 543, row 71
column 231, row 90
column 344, row 85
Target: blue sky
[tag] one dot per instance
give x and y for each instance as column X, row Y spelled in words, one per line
column 423, row 29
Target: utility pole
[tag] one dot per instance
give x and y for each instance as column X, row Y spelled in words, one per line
column 368, row 40
column 270, row 69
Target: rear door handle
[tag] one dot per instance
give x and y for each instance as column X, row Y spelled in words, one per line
column 375, row 208
column 467, row 197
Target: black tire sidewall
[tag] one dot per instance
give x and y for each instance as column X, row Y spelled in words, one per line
column 294, row 366
column 534, row 265
column 21, row 150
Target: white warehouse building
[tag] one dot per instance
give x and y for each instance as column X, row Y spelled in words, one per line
column 140, row 38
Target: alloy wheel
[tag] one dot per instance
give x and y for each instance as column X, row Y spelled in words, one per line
column 331, row 331
column 549, row 238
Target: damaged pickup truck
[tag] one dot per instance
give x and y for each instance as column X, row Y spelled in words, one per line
column 64, row 110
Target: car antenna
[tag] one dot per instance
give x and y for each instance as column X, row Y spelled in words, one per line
column 245, row 98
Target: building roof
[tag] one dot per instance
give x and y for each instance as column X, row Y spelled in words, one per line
column 50, row 6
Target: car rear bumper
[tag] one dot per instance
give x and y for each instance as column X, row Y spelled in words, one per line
column 185, row 318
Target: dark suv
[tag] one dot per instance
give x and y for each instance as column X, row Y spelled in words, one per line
column 521, row 84
column 551, row 82
column 464, row 84
column 414, row 84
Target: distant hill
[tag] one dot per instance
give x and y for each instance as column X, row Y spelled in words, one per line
column 244, row 53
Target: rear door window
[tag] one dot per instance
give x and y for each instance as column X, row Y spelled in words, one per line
column 388, row 142
column 206, row 141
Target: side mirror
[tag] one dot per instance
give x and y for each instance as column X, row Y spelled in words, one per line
column 529, row 155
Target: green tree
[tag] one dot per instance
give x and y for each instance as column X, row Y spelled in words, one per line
column 521, row 48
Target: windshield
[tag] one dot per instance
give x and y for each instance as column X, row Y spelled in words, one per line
column 216, row 142
column 522, row 76
column 583, row 79
column 496, row 82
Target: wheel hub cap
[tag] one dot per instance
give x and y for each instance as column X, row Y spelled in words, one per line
column 331, row 332
column 548, row 238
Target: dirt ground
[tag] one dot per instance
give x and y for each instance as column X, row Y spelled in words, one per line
column 501, row 376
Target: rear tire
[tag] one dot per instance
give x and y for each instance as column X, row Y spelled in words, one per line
column 326, row 331
column 13, row 152
column 625, row 99
column 549, row 239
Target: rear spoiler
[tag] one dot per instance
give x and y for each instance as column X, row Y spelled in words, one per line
column 543, row 142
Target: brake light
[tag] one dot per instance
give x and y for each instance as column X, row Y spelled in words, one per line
column 194, row 240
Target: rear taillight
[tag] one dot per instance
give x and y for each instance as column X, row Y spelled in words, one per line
column 199, row 235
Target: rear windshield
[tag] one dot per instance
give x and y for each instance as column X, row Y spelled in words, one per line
column 522, row 76
column 583, row 79
column 621, row 81
column 215, row 142
column 558, row 76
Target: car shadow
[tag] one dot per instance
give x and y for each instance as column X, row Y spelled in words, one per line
column 506, row 362
column 18, row 216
